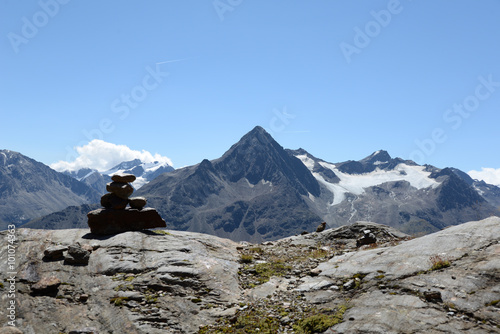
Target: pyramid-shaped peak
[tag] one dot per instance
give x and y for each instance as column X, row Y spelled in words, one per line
column 378, row 156
column 258, row 132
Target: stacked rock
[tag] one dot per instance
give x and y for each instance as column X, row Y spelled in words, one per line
column 119, row 193
column 116, row 217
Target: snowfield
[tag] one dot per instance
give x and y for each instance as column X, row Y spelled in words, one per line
column 356, row 184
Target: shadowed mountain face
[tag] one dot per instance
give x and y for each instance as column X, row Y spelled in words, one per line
column 30, row 189
column 254, row 192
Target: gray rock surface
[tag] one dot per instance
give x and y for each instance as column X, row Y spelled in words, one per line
column 176, row 282
column 124, row 285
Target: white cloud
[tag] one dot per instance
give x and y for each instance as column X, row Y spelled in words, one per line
column 102, row 156
column 488, row 175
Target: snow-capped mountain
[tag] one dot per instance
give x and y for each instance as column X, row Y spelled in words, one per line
column 144, row 171
column 396, row 192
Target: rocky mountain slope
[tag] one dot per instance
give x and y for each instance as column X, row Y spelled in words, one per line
column 397, row 192
column 71, row 217
column 360, row 278
column 255, row 191
column 30, row 189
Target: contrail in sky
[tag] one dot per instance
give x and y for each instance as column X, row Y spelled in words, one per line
column 173, row 61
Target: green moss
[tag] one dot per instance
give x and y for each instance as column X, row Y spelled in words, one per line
column 1, row 285
column 320, row 322
column 161, row 232
column 438, row 262
column 124, row 287
column 493, row 303
column 118, row 301
column 266, row 270
column 246, row 258
column 257, row 250
column 196, row 300
column 379, row 276
column 129, row 279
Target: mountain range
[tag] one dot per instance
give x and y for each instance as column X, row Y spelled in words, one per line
column 30, row 189
column 144, row 172
column 260, row 191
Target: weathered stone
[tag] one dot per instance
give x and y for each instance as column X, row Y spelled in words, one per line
column 10, row 330
column 137, row 202
column 433, row 296
column 171, row 270
column 120, row 189
column 125, row 178
column 54, row 253
column 113, row 201
column 86, row 330
column 109, row 221
column 366, row 239
column 77, row 255
column 47, row 286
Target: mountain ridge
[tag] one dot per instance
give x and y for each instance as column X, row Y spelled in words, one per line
column 258, row 191
column 30, row 189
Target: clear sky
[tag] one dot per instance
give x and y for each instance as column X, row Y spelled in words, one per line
column 187, row 79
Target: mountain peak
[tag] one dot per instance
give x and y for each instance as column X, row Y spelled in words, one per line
column 258, row 133
column 378, row 156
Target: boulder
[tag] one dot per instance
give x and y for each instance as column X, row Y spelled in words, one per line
column 367, row 239
column 120, row 189
column 109, row 221
column 137, row 202
column 47, row 286
column 113, row 201
column 124, row 178
column 54, row 253
column 77, row 255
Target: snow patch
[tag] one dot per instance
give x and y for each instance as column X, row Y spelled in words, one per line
column 357, row 183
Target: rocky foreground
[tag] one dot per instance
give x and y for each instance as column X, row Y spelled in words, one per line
column 70, row 281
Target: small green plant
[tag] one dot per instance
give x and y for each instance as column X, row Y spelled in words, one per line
column 266, row 270
column 161, row 232
column 439, row 262
column 246, row 258
column 118, row 301
column 320, row 322
column 257, row 250
column 493, row 303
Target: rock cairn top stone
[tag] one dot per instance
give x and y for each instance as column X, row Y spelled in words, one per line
column 116, row 217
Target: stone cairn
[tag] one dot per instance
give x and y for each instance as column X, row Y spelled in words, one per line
column 115, row 217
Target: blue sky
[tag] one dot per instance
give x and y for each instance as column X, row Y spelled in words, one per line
column 187, row 79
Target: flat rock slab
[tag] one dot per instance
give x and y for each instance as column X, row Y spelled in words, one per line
column 125, row 178
column 109, row 221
